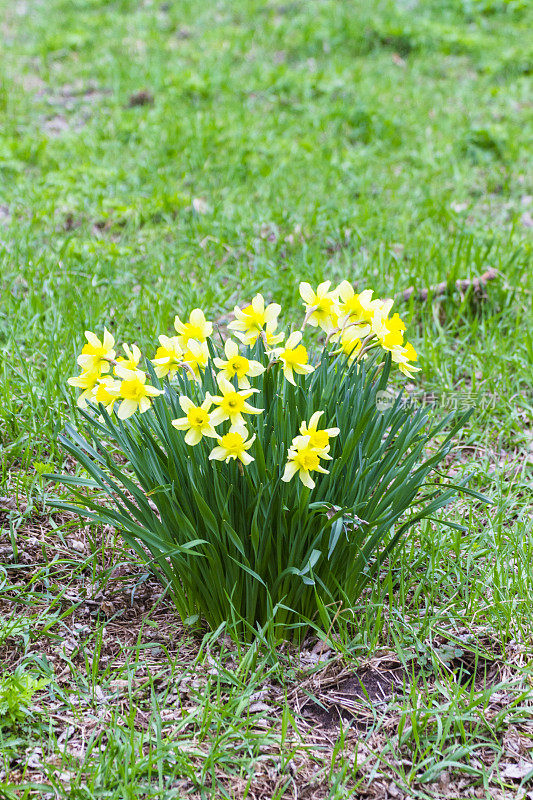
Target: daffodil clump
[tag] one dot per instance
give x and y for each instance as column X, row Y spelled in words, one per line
column 263, row 482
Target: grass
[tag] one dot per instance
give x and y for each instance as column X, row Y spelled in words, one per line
column 158, row 156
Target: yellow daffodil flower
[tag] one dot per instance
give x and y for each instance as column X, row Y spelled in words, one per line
column 355, row 307
column 350, row 345
column 197, row 421
column 303, row 459
column 403, row 356
column 294, row 357
column 106, row 392
column 196, row 357
column 134, row 391
column 133, row 356
column 97, row 354
column 395, row 323
column 270, row 338
column 320, row 306
column 197, row 328
column 238, row 366
column 86, row 381
column 249, row 322
column 302, row 442
column 389, row 332
column 350, row 339
column 233, row 446
column 231, row 403
column 168, row 357
column 318, row 439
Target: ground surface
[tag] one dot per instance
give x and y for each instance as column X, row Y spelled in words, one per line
column 158, row 156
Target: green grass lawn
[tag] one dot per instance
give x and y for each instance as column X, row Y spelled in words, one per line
column 156, row 156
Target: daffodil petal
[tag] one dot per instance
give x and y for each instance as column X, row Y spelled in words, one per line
column 303, row 369
column 186, row 403
column 294, row 340
column 181, row 424
column 290, row 471
column 231, row 348
column 193, row 436
column 92, row 339
column 251, row 410
column 306, row 293
column 126, row 409
column 151, row 391
column 306, row 479
column 218, row 416
column 210, row 432
column 258, row 304
column 289, row 375
column 272, row 312
column 255, row 369
column 224, row 385
column 346, row 291
column 217, row 453
column 332, row 431
column 313, row 422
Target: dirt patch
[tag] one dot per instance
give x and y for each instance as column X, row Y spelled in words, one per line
column 71, row 106
column 357, row 698
column 141, row 98
column 72, row 95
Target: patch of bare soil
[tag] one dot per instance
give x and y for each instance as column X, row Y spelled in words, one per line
column 354, row 697
column 71, row 106
column 141, row 98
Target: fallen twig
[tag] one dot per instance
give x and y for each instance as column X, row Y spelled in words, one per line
column 476, row 284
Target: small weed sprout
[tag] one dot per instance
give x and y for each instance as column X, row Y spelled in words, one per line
column 16, row 693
